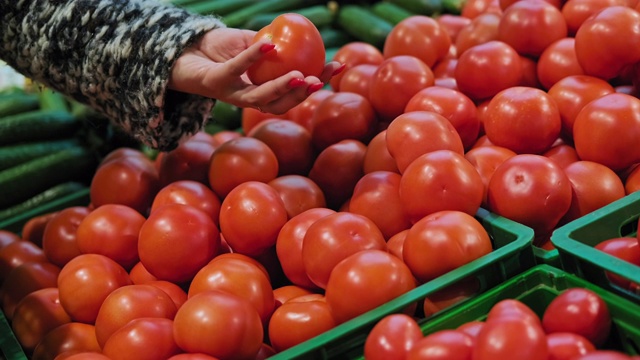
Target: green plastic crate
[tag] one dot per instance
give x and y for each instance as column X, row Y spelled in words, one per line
column 575, row 242
column 512, row 255
column 549, row 257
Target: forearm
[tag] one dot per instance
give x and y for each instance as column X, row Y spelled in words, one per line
column 115, row 55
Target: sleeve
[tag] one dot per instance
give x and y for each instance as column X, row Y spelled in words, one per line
column 113, row 55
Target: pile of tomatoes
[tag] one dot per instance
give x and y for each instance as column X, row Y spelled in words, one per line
column 362, row 192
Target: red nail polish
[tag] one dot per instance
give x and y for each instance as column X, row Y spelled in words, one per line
column 339, row 70
column 295, row 82
column 265, row 48
column 315, row 87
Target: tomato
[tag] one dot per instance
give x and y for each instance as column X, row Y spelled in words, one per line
column 446, row 179
column 283, row 135
column 35, row 315
column 59, row 240
column 474, row 8
column 529, row 72
column 352, row 54
column 445, row 69
column 486, row 69
column 632, row 181
column 617, row 29
column 81, row 355
column 131, row 181
column 392, row 337
column 358, row 79
column 297, row 321
column 395, row 243
column 443, row 241
column 572, row 93
column 420, row 36
column 189, row 192
column 285, row 293
column 453, row 105
column 452, row 24
column 607, row 129
column 25, row 279
column 567, row 346
column 334, row 237
column 523, row 119
column 298, row 193
column 223, row 136
column 449, row 296
column 486, row 159
column 395, row 81
column 580, row 311
column 140, row 275
column 531, row 26
column 176, row 241
column 513, row 308
column 510, row 337
column 557, row 61
column 189, row 161
column 32, row 230
column 252, row 117
column 69, row 337
column 365, row 280
column 302, row 113
column 17, row 253
column 576, row 12
column 299, row 47
column 192, row 356
column 239, row 160
column 146, row 338
column 377, row 156
column 471, row 328
column 416, row 133
column 443, row 344
column 7, row 237
column 594, row 186
column 624, row 248
column 255, row 203
column 603, row 355
column 337, row 169
column 532, row 190
column 236, row 333
column 480, row 30
column 341, row 116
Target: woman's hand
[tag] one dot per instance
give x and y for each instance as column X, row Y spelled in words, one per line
column 215, row 67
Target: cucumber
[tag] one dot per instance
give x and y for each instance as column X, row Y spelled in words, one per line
column 319, row 15
column 364, row 25
column 53, row 193
column 332, row 37
column 52, row 100
column 240, row 17
column 218, row 7
column 37, row 125
column 391, row 12
column 13, row 155
column 420, row 7
column 226, row 115
column 453, row 6
column 18, row 102
column 24, row 181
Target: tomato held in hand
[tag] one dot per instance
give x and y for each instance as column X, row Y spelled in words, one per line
column 299, row 46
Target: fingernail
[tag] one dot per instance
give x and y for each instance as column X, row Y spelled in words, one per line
column 315, row 87
column 265, row 48
column 296, row 82
column 339, row 70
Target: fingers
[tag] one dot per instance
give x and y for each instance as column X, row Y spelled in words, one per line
column 240, row 63
column 331, row 69
column 278, row 95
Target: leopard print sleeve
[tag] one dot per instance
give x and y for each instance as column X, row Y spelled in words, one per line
column 114, row 55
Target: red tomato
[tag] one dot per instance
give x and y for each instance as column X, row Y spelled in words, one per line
column 474, row 8
column 377, row 156
column 252, row 117
column 607, row 131
column 285, row 293
column 444, row 345
column 453, row 105
column 32, row 230
column 420, row 36
column 17, row 253
column 352, row 54
column 71, row 337
column 486, row 159
column 510, row 337
column 145, row 338
column 471, row 328
column 140, row 275
column 617, row 30
column 223, row 136
column 529, row 72
column 236, row 333
column 557, row 61
column 395, row 244
column 7, row 237
column 254, row 203
column 523, row 119
column 449, row 296
column 175, row 292
column 580, row 311
column 563, row 154
column 239, row 160
column 358, row 79
column 59, row 240
column 334, row 237
column 531, row 26
column 416, row 133
column 452, row 24
column 341, row 116
column 192, row 356
column 603, row 355
column 392, row 338
column 395, row 81
column 303, row 113
column 576, row 12
column 480, row 30
column 122, row 152
column 25, row 279
column 176, row 241
column 189, row 192
column 624, row 248
column 299, row 47
column 281, row 136
column 567, row 346
column 81, row 355
column 444, row 241
column 189, row 161
column 513, row 308
column 365, row 280
column 486, row 69
column 446, row 179
column 632, row 181
column 445, row 69
column 298, row 193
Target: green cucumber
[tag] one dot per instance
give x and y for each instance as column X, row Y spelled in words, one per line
column 453, row 6
column 13, row 155
column 24, row 181
column 52, row 100
column 53, row 193
column 364, row 25
column 18, row 102
column 37, row 125
column 319, row 15
column 240, row 17
column 391, row 12
column 226, row 115
column 333, row 37
column 420, row 7
column 219, row 7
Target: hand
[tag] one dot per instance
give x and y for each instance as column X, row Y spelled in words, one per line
column 215, row 67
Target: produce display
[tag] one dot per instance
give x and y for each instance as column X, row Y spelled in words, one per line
column 468, row 178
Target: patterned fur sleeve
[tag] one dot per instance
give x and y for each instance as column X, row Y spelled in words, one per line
column 114, row 55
